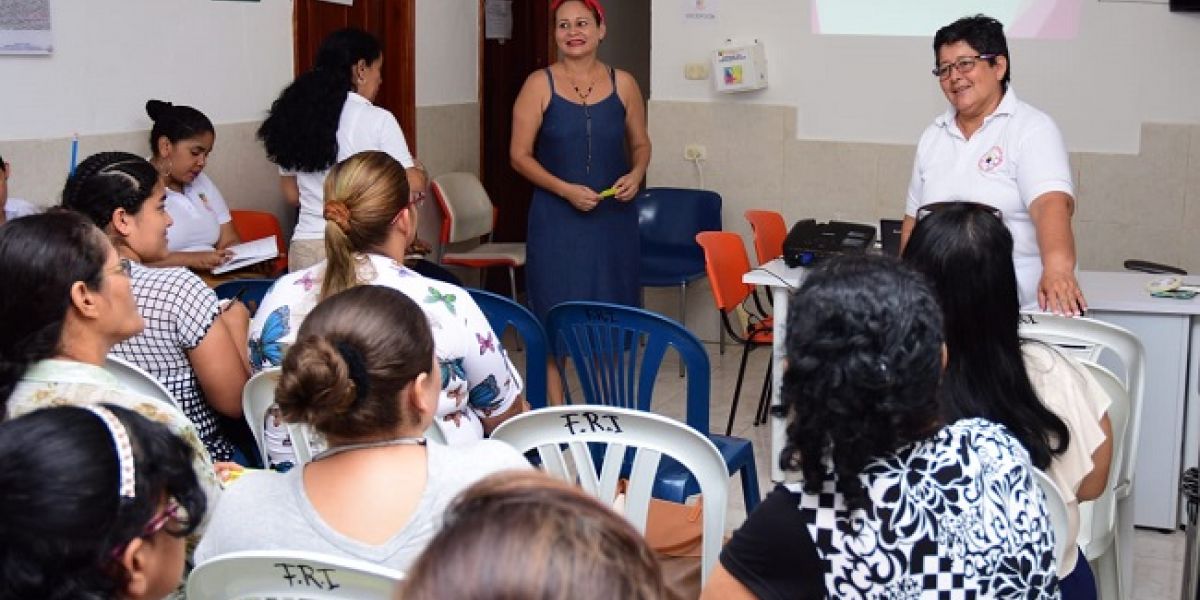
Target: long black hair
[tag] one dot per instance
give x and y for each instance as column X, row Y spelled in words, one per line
column 41, row 257
column 61, row 513
column 966, row 252
column 864, row 349
column 300, row 132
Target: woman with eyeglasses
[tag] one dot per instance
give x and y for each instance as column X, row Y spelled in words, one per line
column 191, row 343
column 579, row 136
column 992, row 148
column 1049, row 402
column 73, row 294
column 369, row 222
column 98, row 502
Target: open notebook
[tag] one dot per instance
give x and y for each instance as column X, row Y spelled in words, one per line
column 249, row 253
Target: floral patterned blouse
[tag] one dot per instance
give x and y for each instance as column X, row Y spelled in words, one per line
column 477, row 378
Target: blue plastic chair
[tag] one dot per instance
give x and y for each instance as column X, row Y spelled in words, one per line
column 668, row 221
column 502, row 312
column 617, row 352
column 251, row 290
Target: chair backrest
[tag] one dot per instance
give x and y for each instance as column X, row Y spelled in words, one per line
column 256, row 224
column 726, row 262
column 501, row 312
column 290, row 574
column 668, row 221
column 258, row 396
column 1087, row 339
column 1056, row 509
column 467, row 212
column 650, row 435
column 617, row 352
column 1098, row 530
column 769, row 233
column 252, row 291
column 137, row 379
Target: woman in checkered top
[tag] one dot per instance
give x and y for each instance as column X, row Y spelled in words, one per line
column 191, row 344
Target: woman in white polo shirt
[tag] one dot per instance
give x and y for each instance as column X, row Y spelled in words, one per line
column 990, row 147
column 181, row 140
column 326, row 116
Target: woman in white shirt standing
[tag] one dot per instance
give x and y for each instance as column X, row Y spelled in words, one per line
column 325, row 116
column 181, row 140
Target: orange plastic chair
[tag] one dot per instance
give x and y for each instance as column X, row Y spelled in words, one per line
column 468, row 214
column 726, row 261
column 769, row 233
column 255, row 224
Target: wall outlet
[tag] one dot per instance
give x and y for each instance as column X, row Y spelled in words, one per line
column 695, row 152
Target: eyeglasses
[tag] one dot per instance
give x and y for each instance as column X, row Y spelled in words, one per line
column 173, row 512
column 964, row 64
column 124, row 267
column 929, row 209
column 415, row 200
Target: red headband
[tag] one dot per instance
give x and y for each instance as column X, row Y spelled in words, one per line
column 592, row 4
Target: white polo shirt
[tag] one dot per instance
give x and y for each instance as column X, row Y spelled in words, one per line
column 362, row 126
column 198, row 214
column 1015, row 157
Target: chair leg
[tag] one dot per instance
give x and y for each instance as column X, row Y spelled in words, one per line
column 682, row 315
column 760, row 415
column 751, row 495
column 721, row 332
column 737, row 389
column 512, row 282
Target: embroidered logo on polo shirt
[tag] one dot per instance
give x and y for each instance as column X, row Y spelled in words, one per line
column 991, row 160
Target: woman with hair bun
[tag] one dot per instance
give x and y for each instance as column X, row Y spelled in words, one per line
column 362, row 374
column 326, row 115
column 97, row 503
column 369, row 222
column 201, row 228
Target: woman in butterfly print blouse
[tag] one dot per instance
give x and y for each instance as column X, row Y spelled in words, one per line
column 369, row 223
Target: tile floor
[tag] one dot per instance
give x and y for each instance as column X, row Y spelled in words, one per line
column 1158, row 557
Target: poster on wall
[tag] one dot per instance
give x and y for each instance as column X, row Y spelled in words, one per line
column 1036, row 19
column 699, row 11
column 25, row 27
column 497, row 20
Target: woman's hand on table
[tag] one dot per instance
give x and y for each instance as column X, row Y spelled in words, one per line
column 582, row 197
column 627, row 186
column 1059, row 293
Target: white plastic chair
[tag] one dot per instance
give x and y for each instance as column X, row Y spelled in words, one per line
column 651, row 435
column 1056, row 508
column 290, row 574
column 137, row 379
column 1087, row 339
column 257, row 398
column 1098, row 518
column 468, row 214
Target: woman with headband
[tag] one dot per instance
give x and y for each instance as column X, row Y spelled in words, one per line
column 98, row 502
column 362, row 374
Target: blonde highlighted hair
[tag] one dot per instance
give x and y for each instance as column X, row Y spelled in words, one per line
column 363, row 196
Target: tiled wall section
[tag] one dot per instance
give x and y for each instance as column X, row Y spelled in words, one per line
column 1145, row 205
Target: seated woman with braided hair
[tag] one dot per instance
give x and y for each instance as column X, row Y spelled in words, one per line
column 363, row 374
column 894, row 501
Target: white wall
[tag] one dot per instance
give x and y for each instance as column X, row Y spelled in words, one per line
column 447, row 61
column 229, row 59
column 1132, row 63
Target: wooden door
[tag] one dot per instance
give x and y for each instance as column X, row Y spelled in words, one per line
column 393, row 23
column 503, row 69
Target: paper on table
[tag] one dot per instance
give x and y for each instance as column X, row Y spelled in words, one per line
column 249, row 253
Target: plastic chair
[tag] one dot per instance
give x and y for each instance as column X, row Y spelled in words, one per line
column 290, row 574
column 1087, row 339
column 649, row 435
column 769, row 233
column 257, row 398
column 726, row 261
column 468, row 214
column 1098, row 518
column 136, row 379
column 251, row 290
column 502, row 312
column 617, row 352
column 668, row 221
column 256, row 224
column 1056, row 508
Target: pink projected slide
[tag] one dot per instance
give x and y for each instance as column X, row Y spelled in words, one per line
column 1039, row 19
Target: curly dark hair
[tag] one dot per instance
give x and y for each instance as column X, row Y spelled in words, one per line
column 61, row 515
column 864, row 355
column 300, row 132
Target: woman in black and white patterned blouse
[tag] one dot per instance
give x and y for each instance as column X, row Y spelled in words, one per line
column 193, row 346
column 894, row 503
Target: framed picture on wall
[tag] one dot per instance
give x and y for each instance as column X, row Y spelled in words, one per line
column 25, row 27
